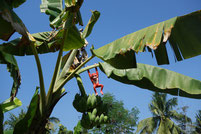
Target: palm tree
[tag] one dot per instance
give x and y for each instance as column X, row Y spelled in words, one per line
column 50, row 125
column 10, row 123
column 162, row 110
column 198, row 122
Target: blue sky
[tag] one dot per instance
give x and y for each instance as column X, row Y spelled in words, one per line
column 117, row 19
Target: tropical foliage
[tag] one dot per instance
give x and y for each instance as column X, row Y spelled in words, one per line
column 12, row 120
column 163, row 112
column 183, row 33
column 121, row 120
column 198, row 122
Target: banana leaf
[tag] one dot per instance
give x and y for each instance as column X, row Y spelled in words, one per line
column 9, row 21
column 94, row 18
column 8, row 105
column 45, row 42
column 24, row 125
column 52, row 8
column 155, row 79
column 183, row 34
column 12, row 67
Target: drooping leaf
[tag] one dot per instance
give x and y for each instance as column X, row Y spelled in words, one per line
column 155, row 79
column 12, row 67
column 45, row 42
column 23, row 125
column 94, row 18
column 6, row 29
column 9, row 18
column 183, row 33
column 8, row 105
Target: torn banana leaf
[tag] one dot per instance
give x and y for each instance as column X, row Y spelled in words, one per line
column 94, row 18
column 10, row 105
column 155, row 79
column 45, row 42
column 52, row 8
column 183, row 34
column 12, row 67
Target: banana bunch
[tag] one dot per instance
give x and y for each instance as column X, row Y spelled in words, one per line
column 93, row 109
column 80, row 103
column 91, row 119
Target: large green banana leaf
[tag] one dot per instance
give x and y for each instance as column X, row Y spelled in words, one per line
column 183, row 34
column 23, row 125
column 45, row 42
column 12, row 67
column 9, row 21
column 155, row 79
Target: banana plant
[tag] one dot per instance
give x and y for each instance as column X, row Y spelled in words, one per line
column 182, row 32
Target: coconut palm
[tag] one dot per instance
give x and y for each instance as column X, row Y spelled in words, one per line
column 198, row 122
column 163, row 113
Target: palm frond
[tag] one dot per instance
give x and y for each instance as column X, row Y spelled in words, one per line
column 171, row 103
column 179, row 116
column 148, row 125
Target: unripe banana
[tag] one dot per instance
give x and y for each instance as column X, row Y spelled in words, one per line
column 97, row 119
column 93, row 100
column 89, row 101
column 93, row 118
column 105, row 119
column 101, row 118
column 94, row 111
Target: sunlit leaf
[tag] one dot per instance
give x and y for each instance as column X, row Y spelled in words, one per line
column 94, row 18
column 147, row 125
column 168, row 127
column 57, row 4
column 52, row 8
column 24, row 125
column 73, row 39
column 183, row 33
column 155, row 79
column 10, row 105
column 73, row 3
